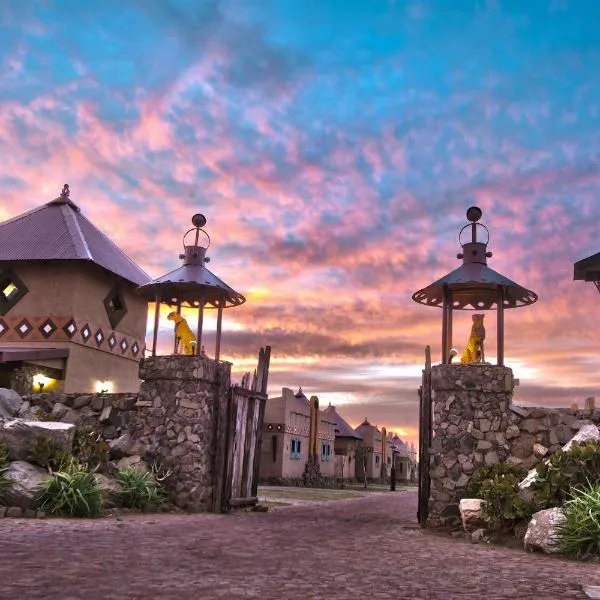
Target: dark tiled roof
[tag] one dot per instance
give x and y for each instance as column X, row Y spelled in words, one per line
column 58, row 231
column 342, row 428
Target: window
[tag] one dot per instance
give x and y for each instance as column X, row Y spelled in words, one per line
column 295, row 448
column 12, row 289
column 389, row 460
column 115, row 306
column 325, row 451
column 377, row 459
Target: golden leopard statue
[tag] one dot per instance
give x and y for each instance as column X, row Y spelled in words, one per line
column 185, row 339
column 474, row 351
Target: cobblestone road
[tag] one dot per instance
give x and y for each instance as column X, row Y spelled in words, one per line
column 365, row 548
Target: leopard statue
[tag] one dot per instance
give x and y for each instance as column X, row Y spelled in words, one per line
column 185, row 339
column 474, row 352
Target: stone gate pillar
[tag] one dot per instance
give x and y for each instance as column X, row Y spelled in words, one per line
column 176, row 422
column 470, row 418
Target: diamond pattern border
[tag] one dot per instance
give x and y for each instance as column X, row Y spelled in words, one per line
column 112, row 341
column 124, row 345
column 135, row 349
column 24, row 328
column 3, row 327
column 70, row 328
column 48, row 327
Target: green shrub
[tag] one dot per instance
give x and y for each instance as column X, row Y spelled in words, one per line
column 73, row 492
column 498, row 487
column 4, row 464
column 579, row 535
column 41, row 415
column 47, row 453
column 90, row 449
column 138, row 490
column 566, row 471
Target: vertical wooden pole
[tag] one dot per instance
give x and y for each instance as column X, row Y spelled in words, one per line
column 449, row 320
column 500, row 331
column 200, row 324
column 444, row 327
column 219, row 324
column 156, row 322
column 175, row 340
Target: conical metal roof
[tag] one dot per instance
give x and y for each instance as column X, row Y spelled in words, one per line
column 474, row 286
column 192, row 282
column 58, row 231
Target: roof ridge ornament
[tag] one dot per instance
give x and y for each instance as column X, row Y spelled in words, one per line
column 65, row 191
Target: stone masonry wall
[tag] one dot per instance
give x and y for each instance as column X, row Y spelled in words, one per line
column 176, row 422
column 475, row 424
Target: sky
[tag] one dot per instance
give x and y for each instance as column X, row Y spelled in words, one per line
column 334, row 147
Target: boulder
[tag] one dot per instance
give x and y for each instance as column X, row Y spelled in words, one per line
column 28, row 482
column 20, row 435
column 541, row 532
column 59, row 411
column 471, row 513
column 131, row 461
column 81, row 401
column 10, row 403
column 522, row 447
column 120, row 447
column 109, row 488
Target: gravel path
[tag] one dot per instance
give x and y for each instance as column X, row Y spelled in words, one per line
column 364, row 548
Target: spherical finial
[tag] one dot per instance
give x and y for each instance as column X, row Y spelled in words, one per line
column 474, row 214
column 198, row 220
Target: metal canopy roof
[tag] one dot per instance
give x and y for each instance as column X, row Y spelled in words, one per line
column 474, row 286
column 58, row 231
column 587, row 269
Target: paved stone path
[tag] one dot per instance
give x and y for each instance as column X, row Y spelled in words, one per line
column 365, row 548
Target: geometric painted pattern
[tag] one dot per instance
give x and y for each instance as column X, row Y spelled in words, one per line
column 134, row 348
column 24, row 328
column 124, row 345
column 86, row 333
column 112, row 341
column 99, row 337
column 47, row 328
column 70, row 328
column 3, row 327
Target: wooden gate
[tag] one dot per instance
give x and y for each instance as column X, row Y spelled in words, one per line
column 424, row 440
column 239, row 439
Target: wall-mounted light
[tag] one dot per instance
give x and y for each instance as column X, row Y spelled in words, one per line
column 104, row 387
column 40, row 381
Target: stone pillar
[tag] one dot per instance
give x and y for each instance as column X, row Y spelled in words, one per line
column 176, row 422
column 470, row 412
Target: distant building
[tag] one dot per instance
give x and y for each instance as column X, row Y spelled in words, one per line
column 287, row 435
column 70, row 317
column 373, row 447
column 346, row 442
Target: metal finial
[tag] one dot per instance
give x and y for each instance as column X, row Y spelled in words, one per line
column 198, row 220
column 474, row 214
column 65, row 191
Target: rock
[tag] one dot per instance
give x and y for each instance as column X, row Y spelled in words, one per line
column 479, row 536
column 131, row 461
column 72, row 416
column 106, row 414
column 15, row 512
column 29, row 513
column 121, row 446
column 471, row 513
column 20, row 435
column 522, row 447
column 109, row 488
column 531, row 425
column 59, row 411
column 519, row 410
column 541, row 533
column 97, row 403
column 126, row 403
column 28, row 482
column 2, row 511
column 81, row 401
column 10, row 403
column 586, row 433
column 539, row 450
